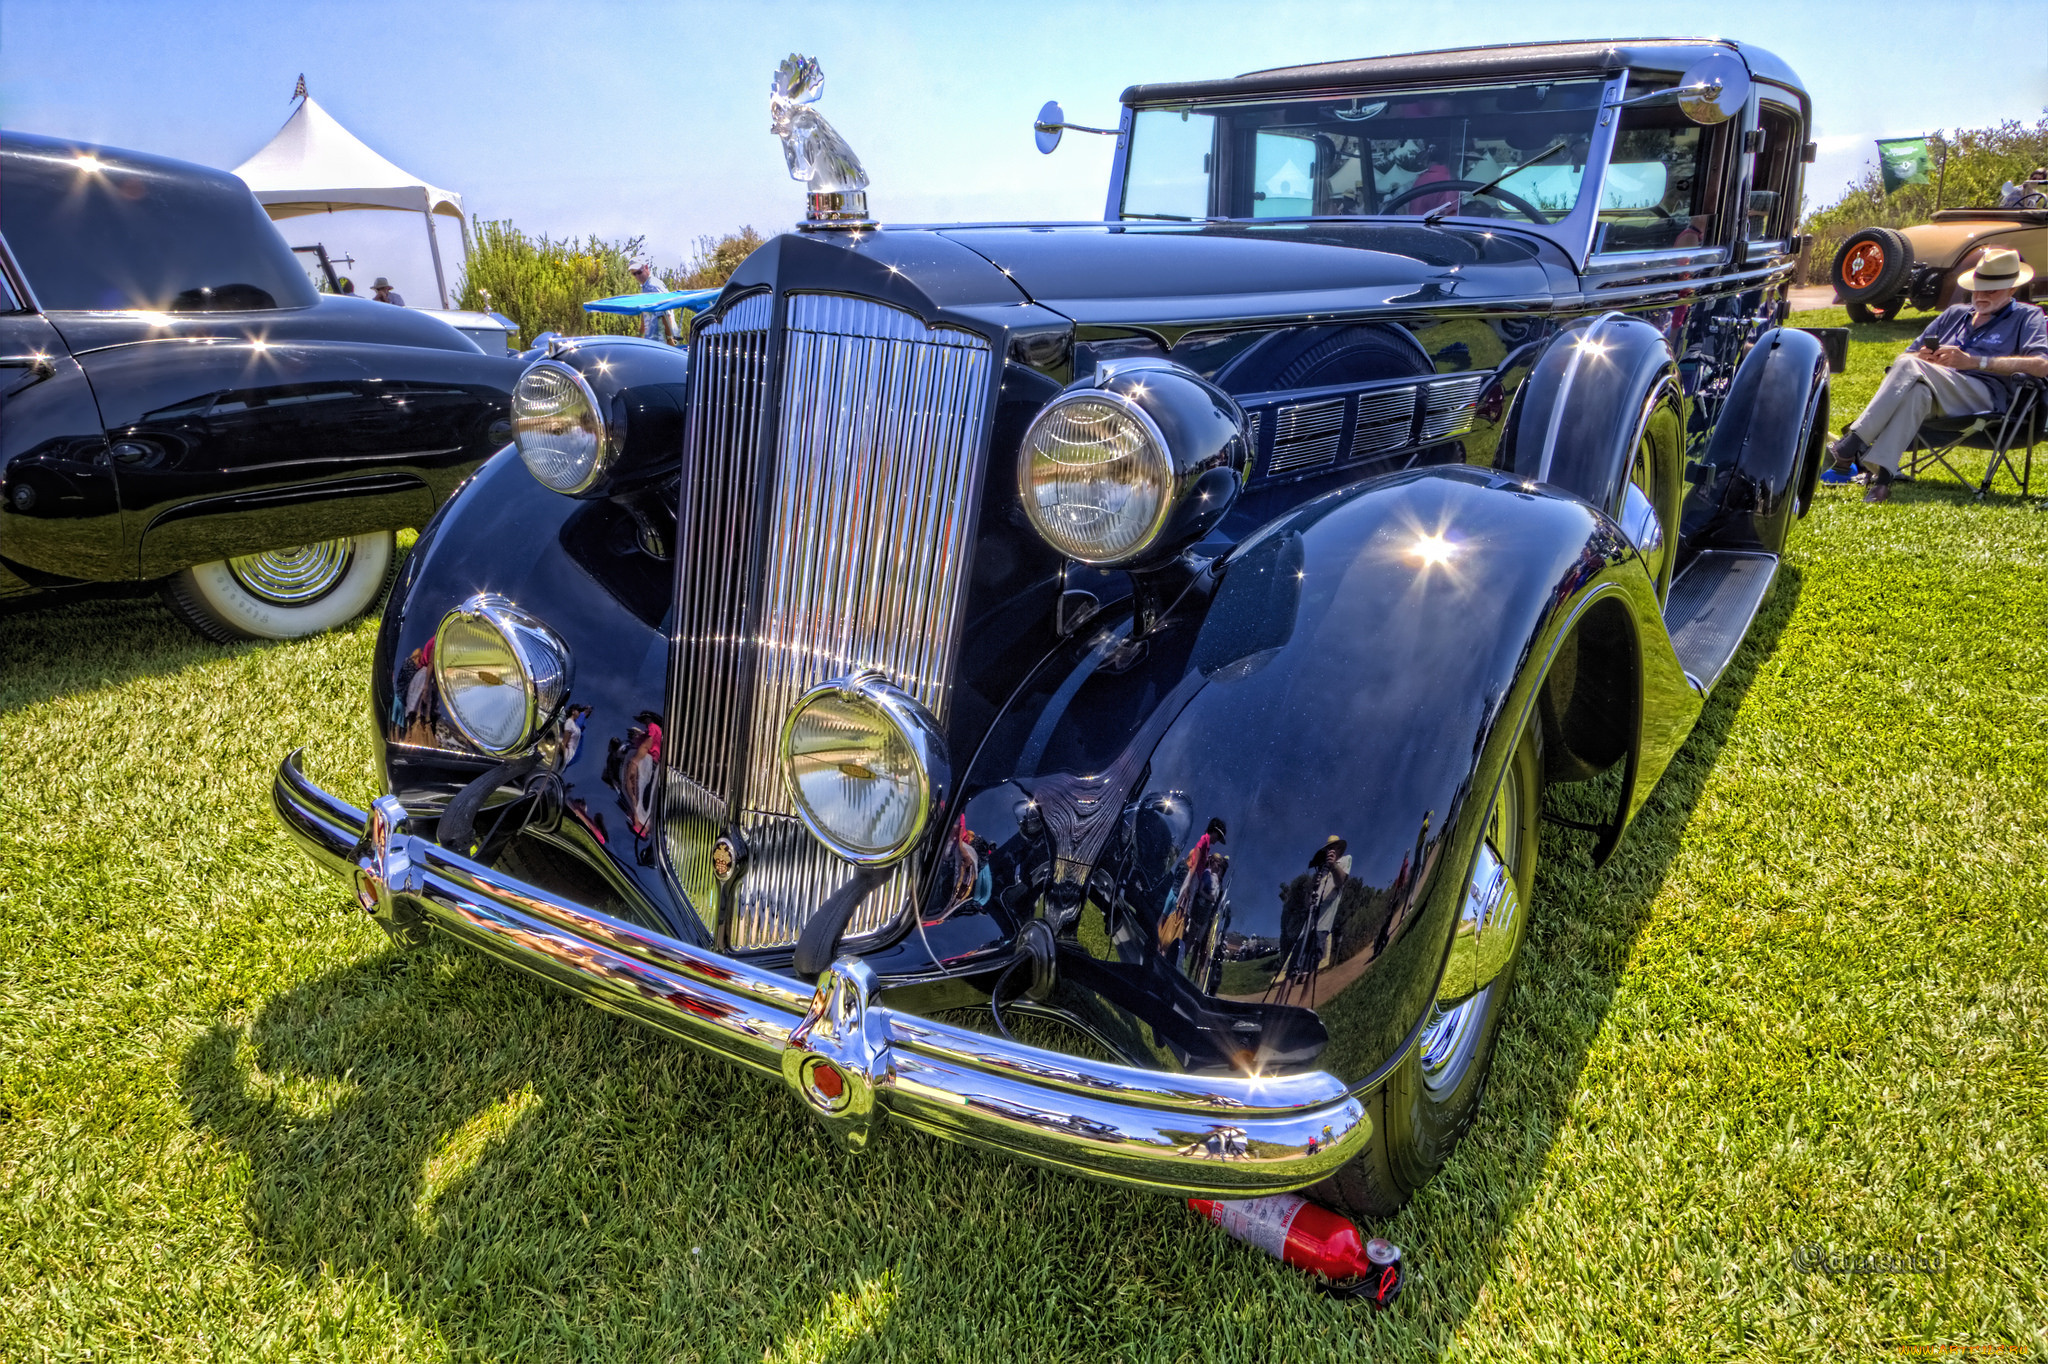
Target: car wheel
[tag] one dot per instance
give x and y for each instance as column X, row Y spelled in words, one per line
column 1434, row 1092
column 1871, row 266
column 285, row 593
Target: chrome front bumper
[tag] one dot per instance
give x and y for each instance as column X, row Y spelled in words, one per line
column 847, row 1054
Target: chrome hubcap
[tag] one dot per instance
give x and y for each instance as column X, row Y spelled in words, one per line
column 294, row 577
column 1450, row 1039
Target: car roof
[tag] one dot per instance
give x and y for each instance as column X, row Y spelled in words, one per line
column 31, row 147
column 1464, row 63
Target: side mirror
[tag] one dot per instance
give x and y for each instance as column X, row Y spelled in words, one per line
column 1713, row 91
column 1052, row 121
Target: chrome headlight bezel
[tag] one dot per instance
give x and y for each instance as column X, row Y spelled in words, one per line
column 1156, row 453
column 1192, row 426
column 606, row 450
column 921, row 735
column 535, row 651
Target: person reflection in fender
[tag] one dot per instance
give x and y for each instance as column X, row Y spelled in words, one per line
column 413, row 700
column 632, row 767
column 1190, row 930
column 1309, row 905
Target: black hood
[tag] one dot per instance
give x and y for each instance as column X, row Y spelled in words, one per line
column 1164, row 274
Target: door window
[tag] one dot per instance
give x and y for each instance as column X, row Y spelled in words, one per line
column 1283, row 176
column 1777, row 163
column 1660, row 190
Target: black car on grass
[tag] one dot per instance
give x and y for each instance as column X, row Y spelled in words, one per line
column 1161, row 629
column 180, row 408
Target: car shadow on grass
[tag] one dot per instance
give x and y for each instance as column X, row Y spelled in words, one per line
column 529, row 1176
column 84, row 645
column 535, row 1178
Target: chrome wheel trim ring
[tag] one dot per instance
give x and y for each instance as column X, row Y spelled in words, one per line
column 1450, row 1039
column 294, row 577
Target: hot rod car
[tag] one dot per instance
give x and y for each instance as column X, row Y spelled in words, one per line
column 1879, row 270
column 1159, row 630
column 180, row 409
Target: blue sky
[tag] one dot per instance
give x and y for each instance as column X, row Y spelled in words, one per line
column 651, row 119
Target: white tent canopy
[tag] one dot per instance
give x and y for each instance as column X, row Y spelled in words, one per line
column 314, row 165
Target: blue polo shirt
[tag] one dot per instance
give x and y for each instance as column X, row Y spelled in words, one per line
column 2016, row 329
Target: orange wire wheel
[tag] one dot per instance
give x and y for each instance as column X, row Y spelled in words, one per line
column 1863, row 264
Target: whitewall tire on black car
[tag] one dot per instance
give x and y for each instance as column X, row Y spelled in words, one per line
column 285, row 593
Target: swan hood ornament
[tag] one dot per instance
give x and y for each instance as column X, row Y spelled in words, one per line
column 814, row 150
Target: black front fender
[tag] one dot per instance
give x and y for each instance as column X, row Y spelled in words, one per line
column 578, row 566
column 1360, row 675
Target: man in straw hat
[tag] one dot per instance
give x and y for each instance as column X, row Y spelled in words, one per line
column 1953, row 369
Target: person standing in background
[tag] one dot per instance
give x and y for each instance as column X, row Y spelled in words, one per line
column 382, row 291
column 659, row 326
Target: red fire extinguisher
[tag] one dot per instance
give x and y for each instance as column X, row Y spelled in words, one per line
column 1308, row 1237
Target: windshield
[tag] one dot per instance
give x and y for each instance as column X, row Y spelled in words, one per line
column 119, row 234
column 1405, row 152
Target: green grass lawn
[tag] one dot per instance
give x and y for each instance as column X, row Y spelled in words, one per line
column 1803, row 1006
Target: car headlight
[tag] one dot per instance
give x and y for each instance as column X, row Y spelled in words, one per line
column 555, row 424
column 1131, row 465
column 866, row 767
column 501, row 673
column 1095, row 476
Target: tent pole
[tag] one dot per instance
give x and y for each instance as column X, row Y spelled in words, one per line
column 434, row 246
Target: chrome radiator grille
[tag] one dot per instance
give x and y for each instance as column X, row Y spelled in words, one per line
column 861, row 561
column 715, row 535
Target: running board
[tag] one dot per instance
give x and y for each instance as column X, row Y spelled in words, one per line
column 1711, row 606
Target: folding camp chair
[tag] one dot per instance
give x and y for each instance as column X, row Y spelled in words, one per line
column 2018, row 428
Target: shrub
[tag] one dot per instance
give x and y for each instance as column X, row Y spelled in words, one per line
column 542, row 283
column 1979, row 160
column 716, row 259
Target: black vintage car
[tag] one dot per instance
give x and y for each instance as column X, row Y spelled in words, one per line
column 1161, row 630
column 178, row 406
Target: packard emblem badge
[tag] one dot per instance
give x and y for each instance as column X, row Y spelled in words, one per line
column 728, row 856
column 814, row 151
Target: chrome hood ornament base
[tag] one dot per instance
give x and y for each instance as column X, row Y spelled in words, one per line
column 814, row 150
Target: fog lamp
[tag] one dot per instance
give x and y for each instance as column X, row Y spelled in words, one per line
column 866, row 767
column 501, row 673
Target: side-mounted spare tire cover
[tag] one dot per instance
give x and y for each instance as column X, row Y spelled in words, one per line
column 1872, row 265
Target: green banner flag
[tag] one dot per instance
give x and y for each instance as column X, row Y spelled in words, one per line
column 1903, row 161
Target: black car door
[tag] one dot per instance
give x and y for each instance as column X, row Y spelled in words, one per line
column 60, row 518
column 230, row 445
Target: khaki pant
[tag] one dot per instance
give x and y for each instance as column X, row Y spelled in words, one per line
column 1913, row 389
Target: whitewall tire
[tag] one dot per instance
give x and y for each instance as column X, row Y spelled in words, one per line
column 285, row 593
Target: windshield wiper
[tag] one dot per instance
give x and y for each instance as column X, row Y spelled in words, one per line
column 1437, row 215
column 1163, row 217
